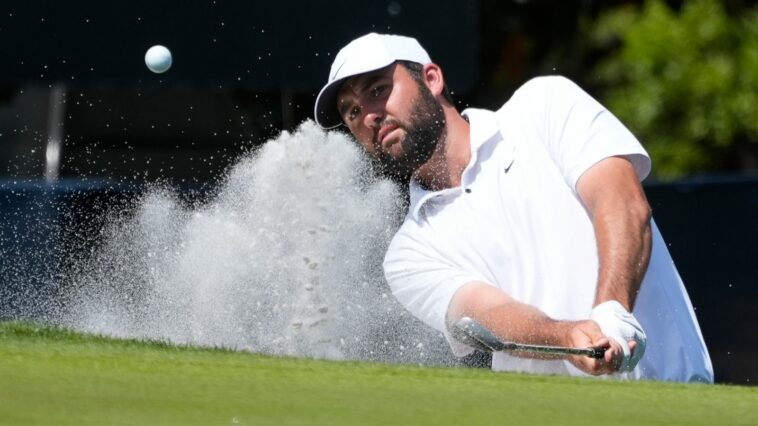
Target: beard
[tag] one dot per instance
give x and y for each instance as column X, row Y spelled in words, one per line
column 424, row 130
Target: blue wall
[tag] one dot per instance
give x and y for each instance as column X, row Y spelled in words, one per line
column 711, row 226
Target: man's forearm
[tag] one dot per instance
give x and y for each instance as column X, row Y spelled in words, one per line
column 624, row 240
column 507, row 318
column 621, row 217
column 519, row 322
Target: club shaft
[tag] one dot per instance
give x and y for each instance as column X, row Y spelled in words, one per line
column 590, row 352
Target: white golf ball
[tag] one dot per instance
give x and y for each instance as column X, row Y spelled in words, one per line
column 158, row 59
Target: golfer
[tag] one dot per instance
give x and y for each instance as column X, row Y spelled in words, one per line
column 530, row 219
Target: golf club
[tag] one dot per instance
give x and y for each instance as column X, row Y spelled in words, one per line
column 472, row 333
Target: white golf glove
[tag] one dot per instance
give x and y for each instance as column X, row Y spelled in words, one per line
column 621, row 326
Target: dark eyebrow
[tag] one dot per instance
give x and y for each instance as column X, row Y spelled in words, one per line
column 370, row 82
column 364, row 85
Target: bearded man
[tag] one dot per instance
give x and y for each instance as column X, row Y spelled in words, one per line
column 530, row 219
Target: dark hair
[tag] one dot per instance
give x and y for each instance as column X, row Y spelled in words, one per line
column 416, row 71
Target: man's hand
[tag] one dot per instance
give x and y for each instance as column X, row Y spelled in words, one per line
column 621, row 326
column 587, row 333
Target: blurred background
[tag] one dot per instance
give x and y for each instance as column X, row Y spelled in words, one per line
column 84, row 125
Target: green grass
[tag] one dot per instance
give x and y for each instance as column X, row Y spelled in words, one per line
column 53, row 376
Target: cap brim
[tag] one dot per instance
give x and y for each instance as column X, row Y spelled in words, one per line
column 325, row 110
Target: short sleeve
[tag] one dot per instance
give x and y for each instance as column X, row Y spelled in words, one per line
column 424, row 283
column 577, row 130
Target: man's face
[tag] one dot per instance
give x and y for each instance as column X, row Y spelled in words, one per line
column 394, row 117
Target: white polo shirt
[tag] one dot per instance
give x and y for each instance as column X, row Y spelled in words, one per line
column 517, row 223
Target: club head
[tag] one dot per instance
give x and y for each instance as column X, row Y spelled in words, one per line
column 472, row 333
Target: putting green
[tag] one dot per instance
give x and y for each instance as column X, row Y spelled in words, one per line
column 53, row 376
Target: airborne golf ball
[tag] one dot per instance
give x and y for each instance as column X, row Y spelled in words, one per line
column 158, row 59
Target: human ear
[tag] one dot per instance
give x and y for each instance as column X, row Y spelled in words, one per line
column 434, row 79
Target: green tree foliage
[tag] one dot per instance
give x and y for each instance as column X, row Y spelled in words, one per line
column 685, row 82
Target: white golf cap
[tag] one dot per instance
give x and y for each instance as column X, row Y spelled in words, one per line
column 367, row 53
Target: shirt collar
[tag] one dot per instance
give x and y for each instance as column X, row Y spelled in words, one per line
column 483, row 128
